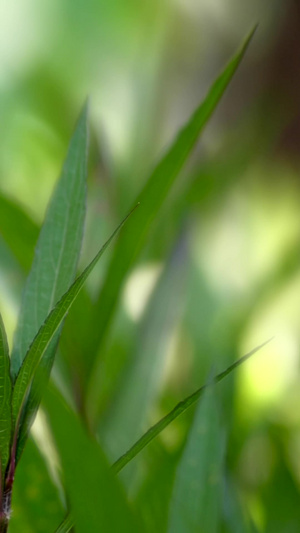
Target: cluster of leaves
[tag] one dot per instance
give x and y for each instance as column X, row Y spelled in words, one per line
column 95, row 497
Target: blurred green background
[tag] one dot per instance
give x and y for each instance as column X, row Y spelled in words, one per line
column 220, row 272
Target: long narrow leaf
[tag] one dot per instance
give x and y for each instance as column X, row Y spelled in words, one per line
column 46, row 334
column 180, row 408
column 66, row 525
column 196, row 499
column 152, row 197
column 172, row 415
column 5, row 402
column 98, row 502
column 58, row 247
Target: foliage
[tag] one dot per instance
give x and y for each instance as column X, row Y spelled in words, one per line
column 95, row 420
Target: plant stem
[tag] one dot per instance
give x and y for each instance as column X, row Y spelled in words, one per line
column 3, row 524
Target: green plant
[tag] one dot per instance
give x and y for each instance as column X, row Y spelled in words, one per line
column 49, row 294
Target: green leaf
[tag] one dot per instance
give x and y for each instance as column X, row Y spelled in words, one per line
column 196, row 498
column 66, row 525
column 58, row 247
column 151, row 198
column 5, row 402
column 45, row 336
column 142, row 382
column 172, row 415
column 98, row 502
column 180, row 408
column 36, row 499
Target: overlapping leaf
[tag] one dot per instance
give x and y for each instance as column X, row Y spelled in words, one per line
column 46, row 334
column 97, row 500
column 54, row 266
column 180, row 408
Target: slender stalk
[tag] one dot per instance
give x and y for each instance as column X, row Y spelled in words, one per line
column 176, row 411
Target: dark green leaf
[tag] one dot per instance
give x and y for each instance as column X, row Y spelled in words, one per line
column 97, row 500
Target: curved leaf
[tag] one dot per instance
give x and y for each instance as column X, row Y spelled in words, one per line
column 46, row 334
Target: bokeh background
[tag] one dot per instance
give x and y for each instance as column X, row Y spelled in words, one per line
column 220, row 272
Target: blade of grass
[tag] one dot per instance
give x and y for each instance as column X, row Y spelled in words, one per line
column 58, row 247
column 5, row 404
column 180, row 408
column 151, row 198
column 45, row 336
column 66, row 525
column 98, row 502
column 196, row 498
